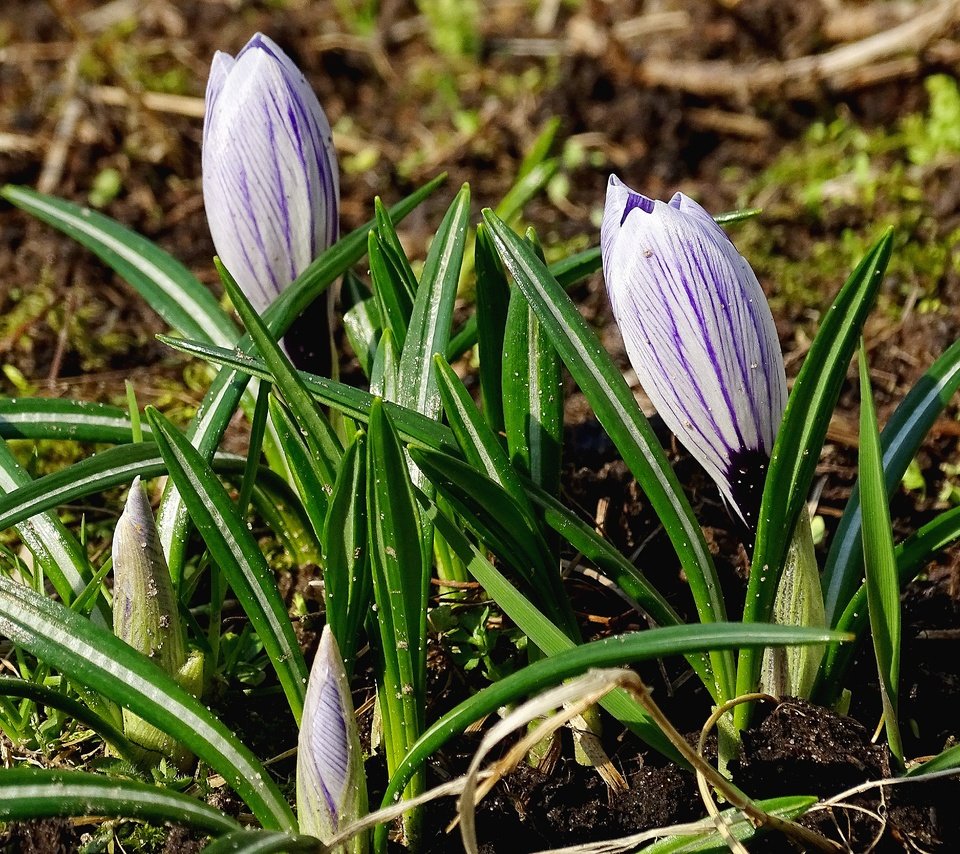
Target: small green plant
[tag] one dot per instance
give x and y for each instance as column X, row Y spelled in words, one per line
column 454, row 26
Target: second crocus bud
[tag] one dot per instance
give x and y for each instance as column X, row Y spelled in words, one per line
column 270, row 180
column 145, row 615
column 331, row 786
column 699, row 334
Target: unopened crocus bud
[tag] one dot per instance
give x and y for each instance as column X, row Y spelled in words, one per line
column 145, row 615
column 270, row 180
column 331, row 786
column 699, row 334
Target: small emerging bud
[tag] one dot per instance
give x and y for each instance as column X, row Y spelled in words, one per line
column 331, row 786
column 145, row 614
column 791, row 671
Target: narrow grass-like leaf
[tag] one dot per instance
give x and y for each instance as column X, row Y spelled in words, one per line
column 735, row 216
column 283, row 513
column 346, row 561
column 880, row 565
column 495, row 514
column 540, row 630
column 492, row 297
column 899, row 441
column 482, row 449
column 317, row 431
column 362, row 326
column 393, row 301
column 166, row 284
column 568, row 272
column 617, row 568
column 799, row 442
column 944, row 761
column 393, row 249
column 96, row 473
column 32, row 793
column 429, row 330
column 532, row 396
column 912, row 554
column 400, row 571
column 738, row 826
column 499, row 521
column 263, row 842
column 411, row 426
column 618, row 412
column 384, row 381
column 609, row 652
column 918, row 548
column 480, row 445
column 56, row 550
column 91, row 656
column 258, row 429
column 415, row 428
column 539, row 148
column 52, row 418
column 237, row 554
column 401, row 579
column 526, row 187
column 303, row 466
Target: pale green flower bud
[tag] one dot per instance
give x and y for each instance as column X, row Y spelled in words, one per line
column 791, row 671
column 145, row 615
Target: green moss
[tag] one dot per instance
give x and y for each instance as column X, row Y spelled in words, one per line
column 827, row 197
column 937, row 134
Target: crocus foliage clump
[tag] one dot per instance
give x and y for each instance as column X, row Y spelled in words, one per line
column 402, row 479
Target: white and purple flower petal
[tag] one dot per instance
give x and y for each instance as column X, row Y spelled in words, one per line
column 699, row 333
column 331, row 787
column 270, row 179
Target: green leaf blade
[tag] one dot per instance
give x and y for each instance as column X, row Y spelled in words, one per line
column 228, row 387
column 880, row 566
column 429, row 330
column 31, row 793
column 618, row 651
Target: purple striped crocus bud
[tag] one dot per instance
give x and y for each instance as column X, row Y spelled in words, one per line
column 699, row 334
column 331, row 786
column 270, row 181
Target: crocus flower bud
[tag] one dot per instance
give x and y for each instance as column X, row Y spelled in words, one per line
column 331, row 786
column 145, row 614
column 699, row 334
column 270, row 182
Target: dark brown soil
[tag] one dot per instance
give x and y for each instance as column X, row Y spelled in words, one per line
column 79, row 331
column 44, row 836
